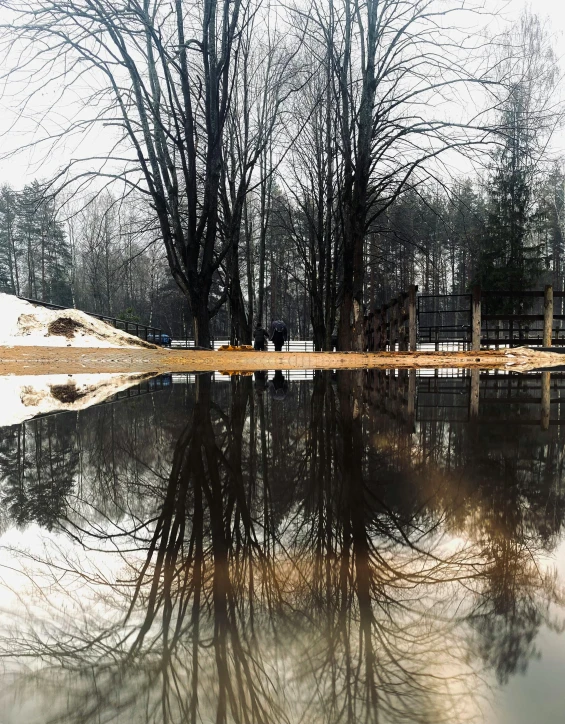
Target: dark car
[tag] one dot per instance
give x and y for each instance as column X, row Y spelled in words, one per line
column 163, row 339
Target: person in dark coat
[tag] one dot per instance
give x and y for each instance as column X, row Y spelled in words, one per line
column 278, row 334
column 260, row 381
column 260, row 337
column 278, row 386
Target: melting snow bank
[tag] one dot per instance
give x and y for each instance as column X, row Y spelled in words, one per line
column 24, row 323
column 24, row 397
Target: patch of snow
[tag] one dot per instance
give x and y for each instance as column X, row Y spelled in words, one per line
column 26, row 396
column 26, row 324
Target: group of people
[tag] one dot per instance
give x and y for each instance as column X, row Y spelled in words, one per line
column 277, row 386
column 277, row 334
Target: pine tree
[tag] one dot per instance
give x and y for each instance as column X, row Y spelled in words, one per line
column 467, row 222
column 511, row 256
column 44, row 247
column 9, row 277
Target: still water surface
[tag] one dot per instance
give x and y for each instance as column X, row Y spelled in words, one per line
column 355, row 548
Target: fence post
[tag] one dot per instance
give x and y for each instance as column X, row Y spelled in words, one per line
column 411, row 399
column 476, row 319
column 475, row 392
column 397, row 313
column 547, row 315
column 545, row 399
column 369, row 344
column 402, row 319
column 385, row 328
column 412, row 338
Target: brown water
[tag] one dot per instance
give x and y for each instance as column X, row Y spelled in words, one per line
column 351, row 548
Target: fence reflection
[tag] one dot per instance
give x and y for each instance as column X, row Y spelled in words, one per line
column 339, row 555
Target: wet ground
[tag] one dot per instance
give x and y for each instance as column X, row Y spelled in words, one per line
column 288, row 547
column 41, row 360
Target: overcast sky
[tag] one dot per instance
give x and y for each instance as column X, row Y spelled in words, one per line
column 554, row 9
column 34, row 165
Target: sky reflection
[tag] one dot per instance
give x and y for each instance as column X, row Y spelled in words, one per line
column 355, row 549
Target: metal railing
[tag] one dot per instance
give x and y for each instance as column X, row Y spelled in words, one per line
column 444, row 319
column 292, row 345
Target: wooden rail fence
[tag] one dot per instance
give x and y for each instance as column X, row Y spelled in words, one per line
column 393, row 326
column 482, row 318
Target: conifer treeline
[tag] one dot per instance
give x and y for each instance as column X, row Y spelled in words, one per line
column 35, row 255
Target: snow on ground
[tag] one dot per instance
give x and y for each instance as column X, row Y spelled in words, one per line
column 26, row 396
column 23, row 323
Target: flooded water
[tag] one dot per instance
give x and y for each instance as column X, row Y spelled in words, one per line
column 360, row 547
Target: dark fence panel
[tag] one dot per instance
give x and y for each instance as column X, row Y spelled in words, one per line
column 517, row 318
column 507, row 318
column 444, row 318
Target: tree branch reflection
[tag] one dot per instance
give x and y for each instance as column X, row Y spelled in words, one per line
column 297, row 563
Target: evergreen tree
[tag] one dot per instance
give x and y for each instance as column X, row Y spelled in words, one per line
column 9, row 278
column 552, row 220
column 44, row 246
column 467, row 221
column 511, row 256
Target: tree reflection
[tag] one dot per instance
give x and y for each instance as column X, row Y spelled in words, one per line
column 289, row 562
column 38, row 462
column 382, row 656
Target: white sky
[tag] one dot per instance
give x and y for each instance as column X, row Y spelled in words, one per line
column 30, row 165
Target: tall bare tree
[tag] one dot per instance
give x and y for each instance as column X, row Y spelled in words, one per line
column 268, row 73
column 162, row 75
column 396, row 69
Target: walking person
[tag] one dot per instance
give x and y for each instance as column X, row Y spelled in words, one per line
column 278, row 386
column 260, row 337
column 278, row 334
column 260, row 381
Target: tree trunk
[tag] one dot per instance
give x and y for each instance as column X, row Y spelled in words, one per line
column 240, row 324
column 266, row 186
column 201, row 318
column 250, row 268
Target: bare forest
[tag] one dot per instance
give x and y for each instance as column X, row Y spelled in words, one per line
column 207, row 166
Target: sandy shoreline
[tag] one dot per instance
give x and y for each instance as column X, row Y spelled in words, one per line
column 30, row 360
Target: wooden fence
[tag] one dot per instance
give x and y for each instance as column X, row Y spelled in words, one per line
column 534, row 324
column 393, row 326
column 482, row 318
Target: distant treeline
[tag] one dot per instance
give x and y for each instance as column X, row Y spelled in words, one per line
column 303, row 162
column 105, row 258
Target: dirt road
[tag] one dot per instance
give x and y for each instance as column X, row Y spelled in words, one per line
column 72, row 360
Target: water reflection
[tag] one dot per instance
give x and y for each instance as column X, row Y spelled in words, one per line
column 346, row 551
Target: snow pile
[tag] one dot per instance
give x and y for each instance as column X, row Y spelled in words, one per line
column 26, row 324
column 26, row 396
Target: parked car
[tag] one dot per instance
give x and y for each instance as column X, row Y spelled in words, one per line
column 164, row 339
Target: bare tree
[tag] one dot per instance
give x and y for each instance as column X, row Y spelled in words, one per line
column 268, row 74
column 162, row 76
column 396, row 71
